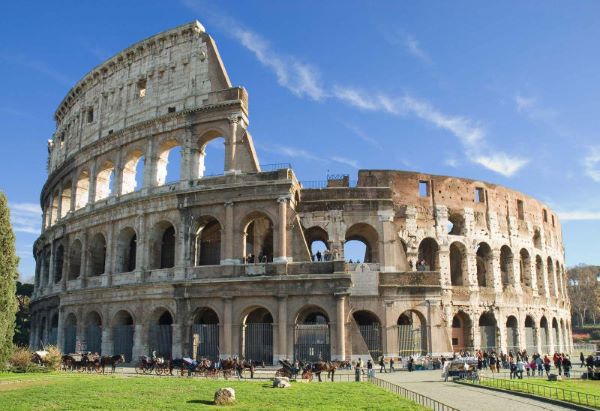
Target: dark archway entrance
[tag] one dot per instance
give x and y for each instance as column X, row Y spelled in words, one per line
column 312, row 340
column 487, row 332
column 412, row 334
column 70, row 334
column 370, row 330
column 161, row 334
column 512, row 334
column 123, row 330
column 205, row 335
column 93, row 333
column 258, row 336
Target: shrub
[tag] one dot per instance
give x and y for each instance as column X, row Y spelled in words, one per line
column 20, row 360
column 54, row 358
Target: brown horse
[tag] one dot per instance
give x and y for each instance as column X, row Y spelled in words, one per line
column 328, row 367
column 113, row 361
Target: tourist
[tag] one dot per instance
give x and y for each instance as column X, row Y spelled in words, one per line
column 547, row 365
column 411, row 363
column 566, row 363
column 382, row 365
column 392, row 364
column 370, row 372
column 359, row 366
column 493, row 362
column 540, row 364
column 513, row 369
column 520, row 368
column 533, row 367
column 319, row 256
column 582, row 359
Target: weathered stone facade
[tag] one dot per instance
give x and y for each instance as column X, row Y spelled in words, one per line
column 221, row 265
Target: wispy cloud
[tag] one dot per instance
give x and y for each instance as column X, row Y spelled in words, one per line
column 360, row 133
column 414, row 48
column 501, row 163
column 579, row 215
column 591, row 163
column 289, row 151
column 37, row 66
column 26, row 217
column 347, row 161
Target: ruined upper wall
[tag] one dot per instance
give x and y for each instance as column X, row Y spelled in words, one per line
column 171, row 71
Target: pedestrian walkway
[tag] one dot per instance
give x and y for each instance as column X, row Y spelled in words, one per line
column 463, row 397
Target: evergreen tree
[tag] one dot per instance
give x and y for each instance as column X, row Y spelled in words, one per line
column 8, row 278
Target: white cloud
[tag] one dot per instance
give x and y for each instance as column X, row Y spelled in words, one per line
column 451, row 162
column 524, row 103
column 26, row 217
column 415, row 49
column 579, row 215
column 591, row 163
column 501, row 163
column 347, row 161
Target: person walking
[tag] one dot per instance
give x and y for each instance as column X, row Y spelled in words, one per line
column 520, row 368
column 566, row 363
column 382, row 365
column 582, row 359
column 360, row 366
column 411, row 363
column 392, row 364
column 370, row 368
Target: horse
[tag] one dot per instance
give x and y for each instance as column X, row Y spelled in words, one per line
column 113, row 361
column 39, row 357
column 328, row 367
column 248, row 364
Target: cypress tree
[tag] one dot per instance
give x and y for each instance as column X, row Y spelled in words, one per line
column 8, row 278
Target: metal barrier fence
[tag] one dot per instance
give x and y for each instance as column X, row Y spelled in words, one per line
column 543, row 391
column 411, row 395
column 274, row 167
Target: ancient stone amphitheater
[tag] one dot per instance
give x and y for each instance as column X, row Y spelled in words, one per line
column 130, row 261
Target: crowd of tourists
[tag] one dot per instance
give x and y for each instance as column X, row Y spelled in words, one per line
column 521, row 364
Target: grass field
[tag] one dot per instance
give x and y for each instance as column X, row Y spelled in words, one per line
column 80, row 391
column 576, row 390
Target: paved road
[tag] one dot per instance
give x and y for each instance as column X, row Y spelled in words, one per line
column 465, row 398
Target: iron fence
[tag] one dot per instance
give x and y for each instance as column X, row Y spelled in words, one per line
column 274, row 167
column 93, row 338
column 258, row 342
column 123, row 340
column 412, row 340
column 70, row 339
column 161, row 340
column 53, row 337
column 312, row 343
column 372, row 336
column 555, row 393
column 205, row 341
column 411, row 395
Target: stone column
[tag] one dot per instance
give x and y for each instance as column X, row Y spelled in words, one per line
column 444, row 261
column 110, row 248
column 140, row 341
column 73, row 192
column 227, row 327
column 51, row 268
column 229, row 240
column 92, row 185
column 387, row 255
column 282, row 328
column 538, row 338
column 107, row 341
column 282, row 231
column 177, row 343
column 390, row 349
column 496, row 271
column 59, row 208
column 230, row 163
column 60, row 335
column 150, row 165
column 340, row 324
column 141, row 245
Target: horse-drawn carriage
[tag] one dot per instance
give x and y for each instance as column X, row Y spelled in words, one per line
column 81, row 362
column 459, row 368
column 292, row 370
column 153, row 364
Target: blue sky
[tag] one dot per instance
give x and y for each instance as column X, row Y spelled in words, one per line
column 502, row 92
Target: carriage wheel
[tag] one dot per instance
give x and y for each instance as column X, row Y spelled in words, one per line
column 158, row 370
column 140, row 369
column 213, row 374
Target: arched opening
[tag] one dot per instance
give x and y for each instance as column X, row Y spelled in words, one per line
column 557, row 343
column 53, row 337
column 46, row 266
column 530, row 340
column 211, row 158
column 59, row 259
column 312, row 340
column 65, row 204
column 207, row 243
column 43, row 339
column 369, row 328
column 485, row 273
column 461, row 332
column 258, row 336
column 487, row 331
column 537, row 239
column 70, row 334
column 75, row 260
column 82, row 190
column 428, row 255
column 564, row 336
column 105, row 180
column 133, row 172
column 512, row 334
column 258, row 239
column 506, row 265
column 539, row 271
column 544, row 335
column 412, row 334
column 126, row 250
column 162, row 246
column 205, row 334
column 458, row 264
column 551, row 282
column 93, row 332
column 97, row 255
column 559, row 280
column 54, row 209
column 317, row 240
column 168, row 165
column 368, row 252
column 123, row 330
column 161, row 333
column 456, row 224
column 525, row 267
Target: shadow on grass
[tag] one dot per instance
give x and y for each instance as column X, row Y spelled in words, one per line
column 205, row 402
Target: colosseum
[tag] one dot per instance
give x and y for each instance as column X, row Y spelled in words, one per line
column 130, row 260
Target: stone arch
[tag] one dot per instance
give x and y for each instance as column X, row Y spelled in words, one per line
column 488, row 331
column 208, row 144
column 456, row 223
column 93, row 332
column 550, row 273
column 70, row 334
column 123, row 329
column 429, row 254
column 544, row 334
column 369, row 327
column 530, row 337
column 366, row 234
column 257, row 326
column 205, row 334
column 160, row 332
column 163, row 245
column 555, row 333
column 59, row 259
column 75, row 252
column 512, row 334
column 506, row 266
column 539, row 271
column 165, row 154
column 207, row 241
column 485, row 271
column 53, row 338
column 105, row 180
column 65, row 200
column 257, row 238
column 312, row 341
column 45, row 267
column 559, row 279
column 314, row 237
column 458, row 264
column 126, row 250
column 97, row 255
column 82, row 189
column 54, row 208
column 525, row 267
column 412, row 334
column 130, row 174
column 462, row 332
column 537, row 239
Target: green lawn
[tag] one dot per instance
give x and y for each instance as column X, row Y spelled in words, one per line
column 80, row 391
column 576, row 390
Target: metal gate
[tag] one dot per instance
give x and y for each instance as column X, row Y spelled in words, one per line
column 512, row 339
column 70, row 339
column 411, row 341
column 488, row 337
column 372, row 336
column 258, row 342
column 530, row 344
column 312, row 343
column 161, row 340
column 123, row 340
column 205, row 341
column 53, row 337
column 93, row 338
